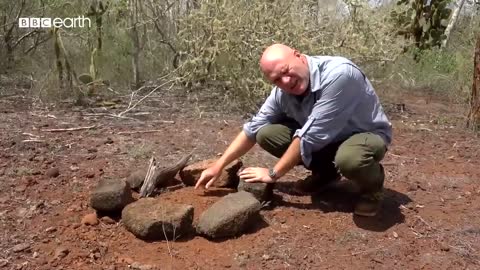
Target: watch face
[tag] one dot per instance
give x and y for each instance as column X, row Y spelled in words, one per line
column 271, row 173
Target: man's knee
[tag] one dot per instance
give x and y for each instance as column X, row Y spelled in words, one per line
column 274, row 138
column 349, row 162
column 359, row 153
column 263, row 135
column 358, row 159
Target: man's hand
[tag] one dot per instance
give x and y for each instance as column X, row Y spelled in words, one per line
column 255, row 174
column 237, row 148
column 209, row 175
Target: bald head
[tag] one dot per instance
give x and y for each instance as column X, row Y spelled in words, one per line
column 273, row 54
column 286, row 67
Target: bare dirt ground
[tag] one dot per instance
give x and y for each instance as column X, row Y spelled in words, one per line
column 430, row 218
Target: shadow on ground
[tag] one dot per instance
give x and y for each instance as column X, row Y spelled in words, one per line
column 342, row 198
column 389, row 215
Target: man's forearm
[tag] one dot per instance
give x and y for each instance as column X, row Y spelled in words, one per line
column 239, row 147
column 289, row 159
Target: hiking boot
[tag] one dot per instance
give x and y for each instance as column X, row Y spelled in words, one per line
column 369, row 204
column 314, row 183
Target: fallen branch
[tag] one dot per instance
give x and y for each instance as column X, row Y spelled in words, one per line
column 425, row 129
column 110, row 115
column 68, row 129
column 97, row 114
column 149, row 182
column 424, row 222
column 48, row 115
column 33, row 140
column 158, row 175
column 139, row 131
column 131, row 107
column 30, row 134
column 393, row 155
column 141, row 113
column 164, row 121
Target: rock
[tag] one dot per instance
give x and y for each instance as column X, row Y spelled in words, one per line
column 124, row 260
column 107, row 220
column 21, row 188
column 53, row 172
column 61, row 252
column 139, row 266
column 90, row 219
column 135, row 179
column 21, row 247
column 263, row 192
column 55, row 202
column 50, row 229
column 152, row 219
column 111, row 195
column 4, row 199
column 444, row 247
column 230, row 216
column 229, row 178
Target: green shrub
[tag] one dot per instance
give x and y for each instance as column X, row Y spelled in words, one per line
column 222, row 41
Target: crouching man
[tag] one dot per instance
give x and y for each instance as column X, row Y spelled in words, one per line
column 323, row 113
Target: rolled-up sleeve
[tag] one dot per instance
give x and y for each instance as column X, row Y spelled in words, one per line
column 269, row 113
column 330, row 113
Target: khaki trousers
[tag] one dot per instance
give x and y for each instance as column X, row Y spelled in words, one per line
column 356, row 158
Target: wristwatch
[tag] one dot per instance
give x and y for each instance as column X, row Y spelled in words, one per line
column 273, row 174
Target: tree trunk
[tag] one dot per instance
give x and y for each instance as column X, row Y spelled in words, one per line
column 474, row 114
column 136, row 44
column 10, row 57
column 319, row 12
column 452, row 22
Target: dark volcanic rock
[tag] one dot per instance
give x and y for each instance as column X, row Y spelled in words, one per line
column 111, row 195
column 230, row 216
column 229, row 177
column 135, row 179
column 261, row 191
column 152, row 219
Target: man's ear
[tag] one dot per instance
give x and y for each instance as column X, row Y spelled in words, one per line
column 296, row 53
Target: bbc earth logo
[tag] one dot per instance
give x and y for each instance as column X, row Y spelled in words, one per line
column 80, row 21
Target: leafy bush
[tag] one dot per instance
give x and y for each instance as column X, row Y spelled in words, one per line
column 442, row 72
column 222, row 41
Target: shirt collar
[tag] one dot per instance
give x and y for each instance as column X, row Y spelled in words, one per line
column 314, row 68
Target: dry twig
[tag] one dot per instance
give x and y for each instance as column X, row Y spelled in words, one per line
column 155, row 175
column 68, row 129
column 33, row 140
column 131, row 107
column 139, row 131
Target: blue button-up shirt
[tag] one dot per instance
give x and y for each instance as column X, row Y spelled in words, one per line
column 340, row 102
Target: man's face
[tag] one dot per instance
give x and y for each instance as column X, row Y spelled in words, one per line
column 289, row 73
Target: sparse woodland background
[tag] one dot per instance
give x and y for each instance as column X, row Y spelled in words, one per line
column 212, row 47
